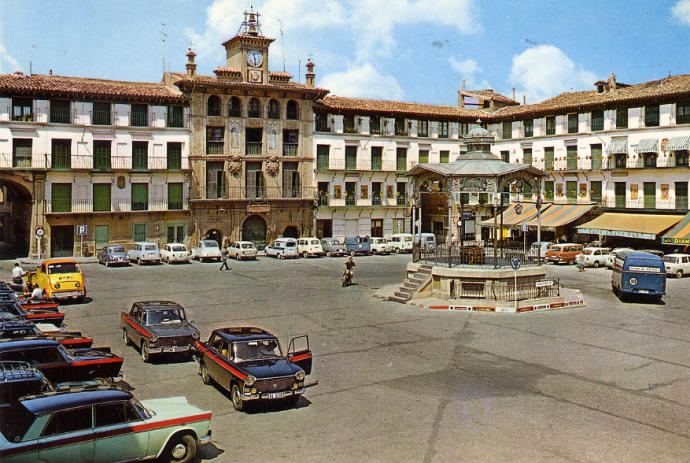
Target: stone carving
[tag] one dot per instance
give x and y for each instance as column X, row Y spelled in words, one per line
column 272, row 166
column 235, row 165
column 272, row 138
column 235, row 127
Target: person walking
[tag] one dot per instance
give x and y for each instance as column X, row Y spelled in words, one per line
column 224, row 256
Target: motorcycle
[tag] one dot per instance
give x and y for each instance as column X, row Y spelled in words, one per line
column 347, row 277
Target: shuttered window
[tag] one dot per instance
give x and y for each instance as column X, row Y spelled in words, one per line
column 61, row 153
column 548, row 158
column 21, row 152
column 61, row 197
column 423, row 156
column 548, row 191
column 551, row 125
column 376, row 158
column 139, row 232
column 527, row 155
column 140, row 196
column 596, row 156
column 291, row 180
column 174, row 196
column 322, row 161
column 529, row 127
column 595, row 191
column 621, row 118
column 597, row 121
column 401, row 159
column 571, row 157
column 350, row 157
column 444, row 156
column 101, row 197
column 651, row 116
column 683, row 112
column 101, row 154
column 140, row 155
column 507, row 130
column 174, row 153
column 571, row 191
column 650, row 195
column 572, row 123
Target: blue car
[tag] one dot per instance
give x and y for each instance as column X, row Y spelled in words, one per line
column 358, row 245
column 637, row 272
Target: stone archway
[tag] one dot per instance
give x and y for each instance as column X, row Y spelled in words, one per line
column 15, row 218
column 214, row 235
column 254, row 230
column 290, row 232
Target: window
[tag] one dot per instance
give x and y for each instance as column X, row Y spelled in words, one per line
column 322, row 157
column 140, row 155
column 443, row 130
column 620, row 160
column 253, row 141
column 595, row 191
column 571, row 157
column 174, row 155
column 254, row 108
column 61, row 197
column 597, row 120
column 375, row 125
column 551, row 125
column 572, row 123
column 423, row 156
column 505, row 156
column 290, row 138
column 68, row 421
column 401, row 194
column 400, row 126
column 139, row 232
column 507, row 130
column 101, row 114
column 101, row 154
column 175, row 116
column 235, row 107
column 254, row 180
column 350, row 157
column 174, row 196
column 140, row 196
column 273, row 109
column 651, row 116
column 323, row 188
column 22, row 109
column 322, row 122
column 376, row 158
column 377, row 228
column 444, row 156
column 213, row 106
column 621, row 118
column 649, row 189
column 59, row 111
column 401, row 159
column 376, row 188
column 619, row 193
column 292, row 110
column 215, row 137
column 681, row 159
column 115, row 413
column 350, row 198
column 683, row 112
column 548, row 158
column 349, row 123
column 21, row 152
column 291, row 180
column 529, row 127
column 422, row 128
column 215, row 180
column 101, row 197
column 571, row 191
column 61, row 153
column 596, row 156
column 527, row 155
column 463, row 127
column 681, row 189
column 139, row 115
column 649, row 159
column 548, row 191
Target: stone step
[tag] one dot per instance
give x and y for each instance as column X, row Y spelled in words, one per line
column 426, row 268
column 403, row 290
column 417, row 279
column 410, row 284
column 402, row 295
column 397, row 299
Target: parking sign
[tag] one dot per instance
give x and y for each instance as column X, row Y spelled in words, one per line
column 81, row 230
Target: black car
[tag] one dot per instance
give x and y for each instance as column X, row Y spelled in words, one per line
column 36, row 315
column 249, row 363
column 158, row 327
column 15, row 327
column 18, row 379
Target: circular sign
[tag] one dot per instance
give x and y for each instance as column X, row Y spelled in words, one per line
column 515, row 263
column 39, row 231
column 518, row 208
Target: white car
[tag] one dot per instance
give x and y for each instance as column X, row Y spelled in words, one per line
column 242, row 250
column 206, row 250
column 677, row 264
column 611, row 258
column 144, row 252
column 593, row 257
column 309, row 247
column 380, row 246
column 428, row 240
column 401, row 242
column 282, row 248
column 174, row 252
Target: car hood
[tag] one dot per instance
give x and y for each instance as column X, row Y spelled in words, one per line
column 177, row 329
column 171, row 407
column 270, row 368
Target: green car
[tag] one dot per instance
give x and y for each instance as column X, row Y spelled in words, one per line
column 100, row 424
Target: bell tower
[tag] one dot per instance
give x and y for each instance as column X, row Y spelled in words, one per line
column 247, row 51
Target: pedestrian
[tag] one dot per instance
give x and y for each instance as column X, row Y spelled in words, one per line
column 224, row 256
column 581, row 262
column 37, row 293
column 18, row 274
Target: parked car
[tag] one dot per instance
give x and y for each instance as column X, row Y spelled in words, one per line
column 101, row 423
column 539, row 249
column 309, row 247
column 28, row 304
column 241, row 250
column 174, row 252
column 358, row 245
column 206, row 250
column 401, row 242
column 677, row 264
column 19, row 379
column 610, row 260
column 111, row 254
column 594, row 257
column 59, row 279
column 145, row 252
column 380, row 246
column 428, row 240
column 35, row 316
column 282, row 248
column 564, row 253
column 60, row 364
column 14, row 327
column 333, row 247
column 250, row 364
column 656, row 252
column 638, row 272
column 157, row 327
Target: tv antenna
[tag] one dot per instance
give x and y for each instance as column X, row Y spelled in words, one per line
column 282, row 43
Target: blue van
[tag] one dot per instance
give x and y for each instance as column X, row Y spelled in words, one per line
column 357, row 245
column 636, row 272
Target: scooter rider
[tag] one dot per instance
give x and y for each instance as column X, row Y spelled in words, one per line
column 348, row 271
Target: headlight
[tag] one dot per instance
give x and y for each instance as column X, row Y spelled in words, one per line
column 57, row 285
column 300, row 375
column 77, row 284
column 154, row 338
column 195, row 335
column 249, row 380
column 295, row 386
column 633, row 281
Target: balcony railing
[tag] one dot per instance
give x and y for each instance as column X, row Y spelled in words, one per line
column 289, row 149
column 79, row 206
column 60, row 115
column 101, row 117
column 375, row 200
column 138, row 119
column 269, row 192
column 253, row 148
column 401, row 200
column 60, row 161
column 350, row 200
column 20, row 160
column 323, row 198
column 176, row 120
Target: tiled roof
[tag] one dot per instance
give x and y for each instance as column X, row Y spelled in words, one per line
column 339, row 104
column 37, row 85
column 227, row 71
column 655, row 91
column 183, row 80
column 489, row 95
column 258, row 38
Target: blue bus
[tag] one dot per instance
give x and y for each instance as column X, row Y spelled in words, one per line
column 636, row 272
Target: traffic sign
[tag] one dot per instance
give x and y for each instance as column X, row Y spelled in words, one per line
column 515, row 263
column 81, row 230
column 525, row 227
column 39, row 231
column 518, row 209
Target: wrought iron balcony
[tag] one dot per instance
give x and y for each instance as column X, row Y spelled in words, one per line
column 289, row 149
column 253, row 148
column 80, row 206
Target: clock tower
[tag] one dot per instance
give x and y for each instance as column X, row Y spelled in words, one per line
column 247, row 52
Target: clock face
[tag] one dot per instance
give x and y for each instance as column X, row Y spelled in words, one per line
column 255, row 58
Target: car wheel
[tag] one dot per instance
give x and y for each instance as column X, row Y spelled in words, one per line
column 280, row 256
column 352, row 253
column 374, row 251
column 80, row 299
column 125, row 338
column 679, row 274
column 237, row 402
column 180, row 449
column 305, row 254
column 397, row 250
column 145, row 354
column 596, row 264
column 106, row 263
column 571, row 261
column 203, row 371
column 328, row 253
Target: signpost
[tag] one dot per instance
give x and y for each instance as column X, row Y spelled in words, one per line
column 515, row 264
column 81, row 231
column 39, row 232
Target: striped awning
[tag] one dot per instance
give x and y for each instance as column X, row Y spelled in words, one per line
column 647, row 145
column 680, row 234
column 617, row 145
column 678, row 143
column 560, row 215
column 511, row 218
column 643, row 226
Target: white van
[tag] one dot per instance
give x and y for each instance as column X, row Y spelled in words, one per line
column 428, row 240
column 380, row 246
column 401, row 242
column 309, row 247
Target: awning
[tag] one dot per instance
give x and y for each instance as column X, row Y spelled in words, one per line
column 617, row 145
column 559, row 215
column 647, row 145
column 680, row 234
column 678, row 143
column 511, row 218
column 643, row 226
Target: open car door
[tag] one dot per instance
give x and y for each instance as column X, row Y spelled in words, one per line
column 299, row 353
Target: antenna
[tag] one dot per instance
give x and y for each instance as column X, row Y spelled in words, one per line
column 299, row 69
column 282, row 42
column 31, row 61
column 164, row 38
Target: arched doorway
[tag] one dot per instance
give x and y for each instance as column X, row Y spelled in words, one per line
column 254, row 230
column 214, row 235
column 291, row 232
column 15, row 219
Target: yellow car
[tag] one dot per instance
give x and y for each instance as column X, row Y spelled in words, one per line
column 60, row 279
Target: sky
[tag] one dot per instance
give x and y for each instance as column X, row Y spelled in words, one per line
column 410, row 50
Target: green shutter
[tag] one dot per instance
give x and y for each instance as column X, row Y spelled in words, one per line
column 102, row 235
column 444, row 156
column 596, row 156
column 548, row 158
column 140, row 155
column 527, row 156
column 401, row 157
column 619, row 190
column 423, row 156
column 376, row 158
column 174, row 196
column 322, row 157
column 595, row 191
column 650, row 195
column 61, row 196
column 350, row 157
column 140, row 196
column 101, row 197
column 571, row 191
column 139, row 232
column 174, row 156
column 101, row 154
column 548, row 191
column 61, row 154
column 571, row 155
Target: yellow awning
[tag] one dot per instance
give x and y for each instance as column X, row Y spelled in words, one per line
column 680, row 234
column 511, row 218
column 643, row 226
column 559, row 215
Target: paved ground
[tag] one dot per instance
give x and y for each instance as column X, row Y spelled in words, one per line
column 606, row 383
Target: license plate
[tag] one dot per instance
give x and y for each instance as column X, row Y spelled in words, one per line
column 643, row 291
column 276, row 395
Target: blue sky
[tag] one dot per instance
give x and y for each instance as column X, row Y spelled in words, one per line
column 413, row 50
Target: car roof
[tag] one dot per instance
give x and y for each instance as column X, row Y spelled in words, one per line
column 677, row 255
column 154, row 305
column 243, row 333
column 59, row 261
column 174, row 244
column 639, row 255
column 243, row 242
column 55, row 401
column 145, row 242
column 17, row 370
column 27, row 343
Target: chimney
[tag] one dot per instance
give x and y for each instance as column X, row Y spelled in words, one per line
column 310, row 74
column 524, row 99
column 191, row 67
column 50, row 72
column 513, row 93
column 612, row 83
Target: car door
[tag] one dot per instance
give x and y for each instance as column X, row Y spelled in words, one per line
column 215, row 370
column 134, row 334
column 114, row 439
column 299, row 353
column 68, row 437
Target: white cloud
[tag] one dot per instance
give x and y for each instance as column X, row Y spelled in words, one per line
column 7, row 63
column 681, row 11
column 468, row 70
column 544, row 71
column 363, row 81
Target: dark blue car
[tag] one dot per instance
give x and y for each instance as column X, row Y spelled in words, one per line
column 636, row 272
column 358, row 245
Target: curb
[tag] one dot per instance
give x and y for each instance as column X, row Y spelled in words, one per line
column 484, row 307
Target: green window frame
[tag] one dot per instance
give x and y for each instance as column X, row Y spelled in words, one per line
column 444, row 156
column 423, row 156
column 349, row 123
column 138, row 116
column 619, row 191
column 597, row 120
column 174, row 155
column 683, row 112
column 100, row 113
column 596, row 155
column 140, row 155
column 622, row 118
column 21, row 152
column 140, row 196
column 375, row 125
column 60, row 111
column 322, row 157
column 571, row 157
column 528, row 124
column 443, row 129
column 174, row 196
column 401, row 159
column 681, row 190
column 175, row 116
column 422, row 128
column 321, row 122
column 571, row 190
column 101, row 154
column 527, row 155
column 139, row 232
column 548, row 190
column 551, row 125
column 649, row 189
column 61, row 155
column 350, row 157
column 61, row 197
column 595, row 191
column 548, row 158
column 101, row 197
column 651, row 116
column 572, row 123
column 507, row 130
column 376, row 158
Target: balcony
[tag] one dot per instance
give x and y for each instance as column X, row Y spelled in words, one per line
column 350, row 200
column 253, row 148
column 60, row 115
column 266, row 192
column 60, row 161
column 289, row 149
column 375, row 200
column 401, row 199
column 24, row 161
column 176, row 121
column 138, row 119
column 84, row 206
column 101, row 117
column 323, row 198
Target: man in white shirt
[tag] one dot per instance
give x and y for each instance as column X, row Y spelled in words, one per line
column 17, row 275
column 37, row 293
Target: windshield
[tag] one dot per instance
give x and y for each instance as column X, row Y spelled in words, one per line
column 247, row 246
column 290, row 244
column 15, row 421
column 673, row 260
column 256, row 350
column 336, row 242
column 587, row 251
column 117, row 249
column 143, row 411
column 150, row 248
column 164, row 316
column 65, row 353
column 210, row 243
column 179, row 248
column 408, row 238
column 63, row 267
